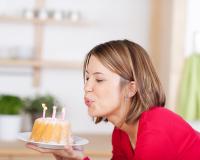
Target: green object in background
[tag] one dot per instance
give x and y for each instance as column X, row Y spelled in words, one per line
column 189, row 93
column 10, row 105
column 34, row 105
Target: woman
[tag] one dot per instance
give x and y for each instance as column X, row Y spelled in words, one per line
column 122, row 87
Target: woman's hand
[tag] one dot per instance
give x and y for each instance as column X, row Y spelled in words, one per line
column 68, row 153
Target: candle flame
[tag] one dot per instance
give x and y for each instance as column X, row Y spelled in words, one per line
column 44, row 106
column 54, row 107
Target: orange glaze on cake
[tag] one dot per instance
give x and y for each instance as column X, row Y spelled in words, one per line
column 50, row 130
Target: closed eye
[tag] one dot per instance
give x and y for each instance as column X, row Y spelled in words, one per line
column 99, row 80
column 87, row 78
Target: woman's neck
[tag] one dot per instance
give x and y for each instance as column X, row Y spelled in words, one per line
column 131, row 130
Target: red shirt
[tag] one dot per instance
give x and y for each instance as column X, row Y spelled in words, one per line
column 162, row 135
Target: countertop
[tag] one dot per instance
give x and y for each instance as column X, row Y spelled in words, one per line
column 99, row 147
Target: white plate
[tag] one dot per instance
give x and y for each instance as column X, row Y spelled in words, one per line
column 77, row 141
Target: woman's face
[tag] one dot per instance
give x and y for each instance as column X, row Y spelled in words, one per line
column 102, row 90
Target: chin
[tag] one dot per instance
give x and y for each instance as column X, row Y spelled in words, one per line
column 93, row 114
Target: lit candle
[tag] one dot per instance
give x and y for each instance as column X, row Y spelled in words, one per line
column 54, row 112
column 44, row 110
column 63, row 113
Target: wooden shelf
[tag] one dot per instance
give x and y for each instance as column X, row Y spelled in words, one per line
column 39, row 26
column 17, row 19
column 42, row 63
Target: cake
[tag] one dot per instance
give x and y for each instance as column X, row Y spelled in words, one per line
column 51, row 130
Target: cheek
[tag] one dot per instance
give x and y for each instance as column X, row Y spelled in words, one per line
column 108, row 100
column 111, row 98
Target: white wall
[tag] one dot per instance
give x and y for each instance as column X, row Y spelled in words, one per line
column 107, row 19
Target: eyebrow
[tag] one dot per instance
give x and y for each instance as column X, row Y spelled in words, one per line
column 94, row 72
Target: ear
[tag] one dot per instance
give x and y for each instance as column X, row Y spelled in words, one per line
column 132, row 89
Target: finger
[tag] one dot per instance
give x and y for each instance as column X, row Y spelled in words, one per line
column 69, row 150
column 74, row 152
column 58, row 152
column 78, row 148
column 41, row 150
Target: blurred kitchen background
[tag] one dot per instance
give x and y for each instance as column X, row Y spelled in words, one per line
column 43, row 44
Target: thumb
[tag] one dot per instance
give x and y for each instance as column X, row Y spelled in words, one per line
column 69, row 150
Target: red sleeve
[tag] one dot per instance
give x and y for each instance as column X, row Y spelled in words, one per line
column 117, row 150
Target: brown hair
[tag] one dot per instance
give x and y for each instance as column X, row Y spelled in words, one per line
column 130, row 61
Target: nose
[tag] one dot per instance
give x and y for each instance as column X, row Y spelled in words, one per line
column 88, row 87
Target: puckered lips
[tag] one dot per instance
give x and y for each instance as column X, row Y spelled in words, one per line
column 88, row 101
